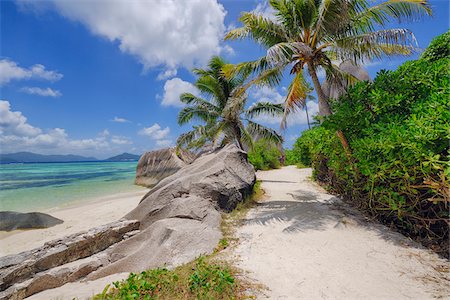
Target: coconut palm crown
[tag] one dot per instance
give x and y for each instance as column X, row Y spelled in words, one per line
column 314, row 34
column 221, row 111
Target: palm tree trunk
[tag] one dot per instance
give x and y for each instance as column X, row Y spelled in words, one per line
column 324, row 106
column 238, row 134
column 325, row 109
column 307, row 116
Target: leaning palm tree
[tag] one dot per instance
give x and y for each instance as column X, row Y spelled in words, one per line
column 316, row 34
column 222, row 112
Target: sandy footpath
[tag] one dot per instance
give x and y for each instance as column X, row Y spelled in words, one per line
column 301, row 243
column 77, row 217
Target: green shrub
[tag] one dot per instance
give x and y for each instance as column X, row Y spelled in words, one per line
column 439, row 48
column 197, row 280
column 264, row 156
column 398, row 128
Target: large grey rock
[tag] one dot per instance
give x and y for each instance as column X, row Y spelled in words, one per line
column 17, row 268
column 53, row 278
column 10, row 220
column 178, row 220
column 156, row 165
column 180, row 216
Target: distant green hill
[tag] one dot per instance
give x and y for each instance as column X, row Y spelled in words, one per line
column 29, row 157
column 124, row 157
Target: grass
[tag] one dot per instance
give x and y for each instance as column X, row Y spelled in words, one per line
column 207, row 277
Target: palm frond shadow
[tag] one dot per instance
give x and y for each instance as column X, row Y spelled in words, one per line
column 304, row 214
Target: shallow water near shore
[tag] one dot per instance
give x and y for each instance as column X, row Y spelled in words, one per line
column 41, row 186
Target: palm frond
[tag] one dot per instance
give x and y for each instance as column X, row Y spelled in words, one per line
column 282, row 53
column 375, row 44
column 296, row 98
column 247, row 138
column 188, row 98
column 264, row 108
column 401, row 10
column 258, row 131
column 198, row 112
column 261, row 29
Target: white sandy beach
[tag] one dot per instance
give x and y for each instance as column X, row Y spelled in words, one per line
column 300, row 246
column 77, row 217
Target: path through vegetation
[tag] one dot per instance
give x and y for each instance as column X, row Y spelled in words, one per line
column 302, row 243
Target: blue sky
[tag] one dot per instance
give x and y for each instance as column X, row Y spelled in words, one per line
column 103, row 77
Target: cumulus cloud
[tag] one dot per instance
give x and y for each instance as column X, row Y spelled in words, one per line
column 266, row 94
column 265, row 10
column 120, row 140
column 48, row 92
column 155, row 132
column 120, row 120
column 10, row 70
column 173, row 88
column 16, row 134
column 170, row 33
column 13, row 123
column 167, row 74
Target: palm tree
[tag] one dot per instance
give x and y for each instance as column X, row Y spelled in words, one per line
column 315, row 34
column 222, row 113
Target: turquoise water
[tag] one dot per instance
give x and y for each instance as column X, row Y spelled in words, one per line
column 40, row 186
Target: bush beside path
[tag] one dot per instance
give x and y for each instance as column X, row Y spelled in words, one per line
column 302, row 243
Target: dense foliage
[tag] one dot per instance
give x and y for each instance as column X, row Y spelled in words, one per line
column 222, row 111
column 264, row 156
column 197, row 280
column 398, row 127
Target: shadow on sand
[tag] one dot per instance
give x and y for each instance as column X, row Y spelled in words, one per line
column 307, row 212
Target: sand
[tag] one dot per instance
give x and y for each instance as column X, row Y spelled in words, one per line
column 77, row 217
column 301, row 246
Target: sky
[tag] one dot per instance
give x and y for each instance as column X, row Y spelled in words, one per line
column 99, row 78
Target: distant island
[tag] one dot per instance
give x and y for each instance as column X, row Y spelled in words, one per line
column 29, row 157
column 124, row 157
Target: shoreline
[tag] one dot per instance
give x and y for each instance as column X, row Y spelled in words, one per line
column 77, row 216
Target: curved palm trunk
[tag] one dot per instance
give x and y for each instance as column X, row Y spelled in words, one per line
column 238, row 135
column 324, row 107
column 307, row 116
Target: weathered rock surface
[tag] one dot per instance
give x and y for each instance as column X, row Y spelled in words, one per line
column 180, row 216
column 10, row 220
column 156, row 165
column 15, row 269
column 177, row 221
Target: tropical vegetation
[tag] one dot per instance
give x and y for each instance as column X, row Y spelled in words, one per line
column 398, row 127
column 315, row 35
column 222, row 113
column 201, row 279
column 265, row 156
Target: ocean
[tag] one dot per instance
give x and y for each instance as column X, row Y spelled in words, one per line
column 40, row 186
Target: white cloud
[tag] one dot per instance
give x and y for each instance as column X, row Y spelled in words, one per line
column 164, row 143
column 120, row 120
column 173, row 88
column 16, row 134
column 120, row 140
column 13, row 123
column 48, row 92
column 228, row 50
column 167, row 74
column 155, row 132
column 266, row 94
column 10, row 70
column 159, row 32
column 265, row 10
